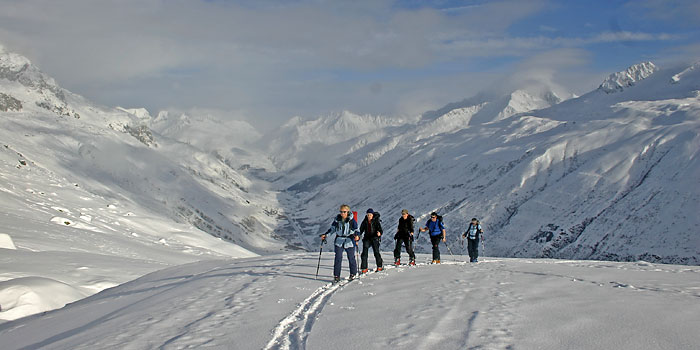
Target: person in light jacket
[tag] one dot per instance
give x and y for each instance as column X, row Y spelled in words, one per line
column 473, row 234
column 346, row 234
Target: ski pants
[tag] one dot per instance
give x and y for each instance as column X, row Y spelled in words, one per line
column 374, row 244
column 339, row 260
column 435, row 240
column 409, row 248
column 473, row 249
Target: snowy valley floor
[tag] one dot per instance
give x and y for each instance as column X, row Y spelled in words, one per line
column 274, row 302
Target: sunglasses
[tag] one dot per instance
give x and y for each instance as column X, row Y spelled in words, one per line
column 344, row 211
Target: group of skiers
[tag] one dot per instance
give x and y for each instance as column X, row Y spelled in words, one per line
column 347, row 234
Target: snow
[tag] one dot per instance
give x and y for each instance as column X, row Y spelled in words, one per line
column 30, row 295
column 6, row 241
column 274, row 302
column 124, row 230
column 619, row 81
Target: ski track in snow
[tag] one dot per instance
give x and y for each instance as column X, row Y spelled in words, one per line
column 292, row 331
column 489, row 327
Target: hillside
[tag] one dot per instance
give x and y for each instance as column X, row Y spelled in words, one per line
column 609, row 175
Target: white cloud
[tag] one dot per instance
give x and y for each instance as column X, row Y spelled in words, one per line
column 271, row 59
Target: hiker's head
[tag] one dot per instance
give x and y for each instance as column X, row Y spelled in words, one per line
column 344, row 211
column 370, row 214
column 474, row 220
column 433, row 216
column 404, row 213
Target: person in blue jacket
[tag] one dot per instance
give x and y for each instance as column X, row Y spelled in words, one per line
column 436, row 229
column 346, row 233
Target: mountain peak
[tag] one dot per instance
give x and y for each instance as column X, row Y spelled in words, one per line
column 617, row 82
column 15, row 67
column 140, row 113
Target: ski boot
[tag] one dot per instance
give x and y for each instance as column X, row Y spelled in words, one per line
column 336, row 279
column 397, row 262
column 380, row 269
column 412, row 263
column 364, row 271
column 352, row 277
column 437, row 261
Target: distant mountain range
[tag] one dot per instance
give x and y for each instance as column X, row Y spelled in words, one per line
column 611, row 175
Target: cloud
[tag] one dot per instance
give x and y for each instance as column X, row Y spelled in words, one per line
column 275, row 59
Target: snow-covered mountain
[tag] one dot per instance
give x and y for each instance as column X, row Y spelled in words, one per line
column 305, row 150
column 619, row 81
column 77, row 178
column 490, row 107
column 609, row 175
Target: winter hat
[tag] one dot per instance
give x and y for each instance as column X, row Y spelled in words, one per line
column 474, row 219
column 404, row 211
column 370, row 211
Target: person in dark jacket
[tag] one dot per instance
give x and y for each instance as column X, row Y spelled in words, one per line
column 371, row 228
column 473, row 234
column 404, row 235
column 436, row 229
column 346, row 234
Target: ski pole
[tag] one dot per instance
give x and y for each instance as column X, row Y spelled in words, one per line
column 450, row 250
column 357, row 257
column 462, row 239
column 319, row 257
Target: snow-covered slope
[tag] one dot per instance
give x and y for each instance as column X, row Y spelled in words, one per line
column 274, row 302
column 81, row 182
column 603, row 176
column 230, row 140
column 113, row 150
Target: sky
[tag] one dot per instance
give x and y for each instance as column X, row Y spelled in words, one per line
column 268, row 61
